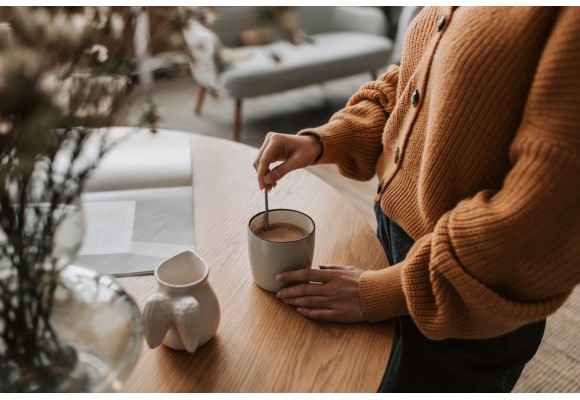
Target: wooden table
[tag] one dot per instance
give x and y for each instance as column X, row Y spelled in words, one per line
column 263, row 344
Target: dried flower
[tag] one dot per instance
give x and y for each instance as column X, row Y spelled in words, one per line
column 20, row 71
column 117, row 25
column 99, row 53
column 52, row 97
column 64, row 71
column 6, row 39
column 5, row 127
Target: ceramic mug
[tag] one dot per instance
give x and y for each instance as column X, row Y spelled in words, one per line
column 286, row 246
column 184, row 313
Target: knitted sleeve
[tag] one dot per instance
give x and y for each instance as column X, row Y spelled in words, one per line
column 352, row 137
column 504, row 258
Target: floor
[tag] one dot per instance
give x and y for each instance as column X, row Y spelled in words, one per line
column 555, row 368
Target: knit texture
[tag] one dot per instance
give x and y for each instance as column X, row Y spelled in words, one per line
column 476, row 141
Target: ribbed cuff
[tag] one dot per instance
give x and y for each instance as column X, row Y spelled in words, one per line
column 381, row 294
column 336, row 138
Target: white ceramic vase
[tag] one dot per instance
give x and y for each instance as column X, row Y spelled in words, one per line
column 184, row 313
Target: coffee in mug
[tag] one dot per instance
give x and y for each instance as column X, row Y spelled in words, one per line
column 281, row 232
column 286, row 245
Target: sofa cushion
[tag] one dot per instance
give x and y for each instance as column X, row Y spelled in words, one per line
column 281, row 66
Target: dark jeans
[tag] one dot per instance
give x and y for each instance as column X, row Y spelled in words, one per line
column 418, row 364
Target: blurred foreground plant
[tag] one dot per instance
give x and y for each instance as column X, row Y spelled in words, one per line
column 66, row 73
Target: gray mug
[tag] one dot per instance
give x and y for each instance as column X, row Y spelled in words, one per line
column 286, row 246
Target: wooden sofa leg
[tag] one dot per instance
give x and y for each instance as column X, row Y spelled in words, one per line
column 238, row 120
column 201, row 91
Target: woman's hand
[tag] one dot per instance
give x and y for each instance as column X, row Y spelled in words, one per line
column 296, row 151
column 327, row 294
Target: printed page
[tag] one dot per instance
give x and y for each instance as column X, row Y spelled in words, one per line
column 136, row 230
column 108, row 227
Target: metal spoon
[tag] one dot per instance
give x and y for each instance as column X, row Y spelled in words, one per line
column 266, row 225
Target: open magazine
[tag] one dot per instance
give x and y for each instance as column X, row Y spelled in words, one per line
column 138, row 209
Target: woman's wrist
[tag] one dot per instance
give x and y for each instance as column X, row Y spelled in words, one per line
column 318, row 148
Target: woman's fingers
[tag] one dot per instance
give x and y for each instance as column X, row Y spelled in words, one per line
column 320, row 314
column 305, row 275
column 330, row 293
column 261, row 151
column 310, row 301
column 262, row 163
column 340, row 267
column 295, row 151
column 301, row 290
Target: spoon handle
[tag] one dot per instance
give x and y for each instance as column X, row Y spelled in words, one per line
column 266, row 222
column 266, row 213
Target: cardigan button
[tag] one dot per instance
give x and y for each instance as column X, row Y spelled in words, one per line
column 415, row 97
column 441, row 23
column 396, row 157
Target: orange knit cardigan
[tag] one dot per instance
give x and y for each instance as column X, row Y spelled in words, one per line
column 476, row 141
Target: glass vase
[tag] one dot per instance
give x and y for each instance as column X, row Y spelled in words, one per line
column 63, row 328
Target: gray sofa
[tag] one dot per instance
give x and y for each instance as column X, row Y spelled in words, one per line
column 340, row 41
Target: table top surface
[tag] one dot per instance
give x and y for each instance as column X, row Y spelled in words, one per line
column 263, row 344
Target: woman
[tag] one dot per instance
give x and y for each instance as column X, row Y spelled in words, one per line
column 475, row 139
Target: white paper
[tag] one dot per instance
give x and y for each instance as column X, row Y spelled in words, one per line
column 158, row 249
column 162, row 227
column 108, row 227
